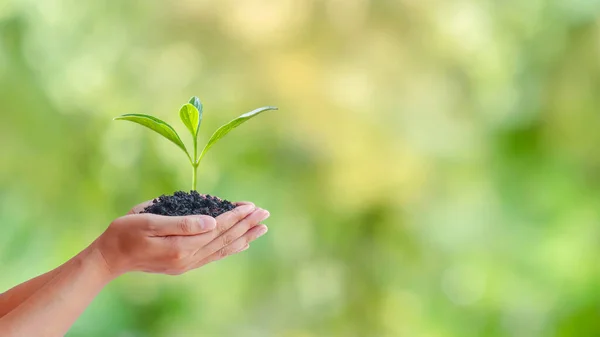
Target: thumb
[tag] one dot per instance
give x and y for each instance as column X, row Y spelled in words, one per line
column 161, row 225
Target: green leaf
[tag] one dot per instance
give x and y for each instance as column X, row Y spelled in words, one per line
column 157, row 125
column 225, row 129
column 190, row 116
column 195, row 101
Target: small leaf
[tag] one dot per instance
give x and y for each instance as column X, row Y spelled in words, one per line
column 157, row 125
column 225, row 129
column 195, row 101
column 191, row 118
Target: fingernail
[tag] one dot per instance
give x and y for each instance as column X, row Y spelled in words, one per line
column 206, row 222
column 262, row 231
column 264, row 214
column 242, row 249
column 246, row 208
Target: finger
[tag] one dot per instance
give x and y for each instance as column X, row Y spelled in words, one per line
column 194, row 243
column 237, row 230
column 244, row 241
column 228, row 219
column 215, row 257
column 233, row 234
column 139, row 208
column 212, row 258
column 241, row 250
column 159, row 225
column 236, row 247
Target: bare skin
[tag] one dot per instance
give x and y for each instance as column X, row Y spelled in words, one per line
column 48, row 305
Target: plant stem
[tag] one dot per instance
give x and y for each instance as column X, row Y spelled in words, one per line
column 194, row 176
column 195, row 165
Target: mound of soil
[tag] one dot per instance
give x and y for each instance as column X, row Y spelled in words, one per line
column 193, row 203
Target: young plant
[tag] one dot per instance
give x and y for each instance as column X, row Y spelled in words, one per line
column 191, row 116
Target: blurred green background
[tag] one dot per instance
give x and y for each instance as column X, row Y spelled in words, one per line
column 433, row 170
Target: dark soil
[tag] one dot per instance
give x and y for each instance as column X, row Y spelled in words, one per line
column 193, row 203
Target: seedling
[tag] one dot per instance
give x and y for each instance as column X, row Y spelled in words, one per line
column 191, row 116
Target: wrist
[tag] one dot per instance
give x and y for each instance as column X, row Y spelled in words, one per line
column 97, row 260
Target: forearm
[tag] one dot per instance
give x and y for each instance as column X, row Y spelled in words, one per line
column 52, row 309
column 12, row 298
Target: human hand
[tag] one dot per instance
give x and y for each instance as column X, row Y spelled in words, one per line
column 174, row 245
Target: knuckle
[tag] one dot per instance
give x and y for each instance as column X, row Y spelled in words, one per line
column 227, row 240
column 223, row 252
column 185, row 225
column 221, row 227
column 126, row 220
column 179, row 255
column 144, row 221
column 176, row 254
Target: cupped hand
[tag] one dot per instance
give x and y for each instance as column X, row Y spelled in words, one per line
column 173, row 245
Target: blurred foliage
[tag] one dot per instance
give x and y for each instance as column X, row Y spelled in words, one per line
column 433, row 169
